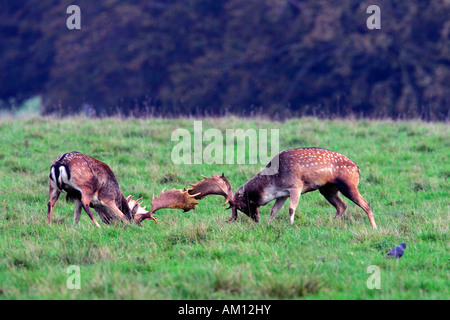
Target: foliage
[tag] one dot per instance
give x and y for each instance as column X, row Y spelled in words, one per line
column 281, row 58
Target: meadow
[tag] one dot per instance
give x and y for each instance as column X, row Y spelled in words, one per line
column 197, row 255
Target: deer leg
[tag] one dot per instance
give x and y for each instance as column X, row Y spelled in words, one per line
column 331, row 193
column 111, row 205
column 85, row 201
column 294, row 195
column 276, row 207
column 77, row 212
column 52, row 198
column 255, row 215
column 89, row 213
column 353, row 194
column 233, row 214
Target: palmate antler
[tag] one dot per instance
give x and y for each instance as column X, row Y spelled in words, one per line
column 136, row 208
column 172, row 199
column 187, row 199
column 215, row 185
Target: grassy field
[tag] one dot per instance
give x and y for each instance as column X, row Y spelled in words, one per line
column 196, row 255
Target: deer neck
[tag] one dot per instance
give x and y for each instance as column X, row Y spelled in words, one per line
column 256, row 189
column 264, row 188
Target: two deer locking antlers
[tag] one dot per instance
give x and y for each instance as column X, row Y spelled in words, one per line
column 92, row 184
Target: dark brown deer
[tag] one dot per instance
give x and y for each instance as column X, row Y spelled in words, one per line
column 91, row 184
column 297, row 171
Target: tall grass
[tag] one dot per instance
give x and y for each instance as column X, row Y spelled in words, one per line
column 197, row 255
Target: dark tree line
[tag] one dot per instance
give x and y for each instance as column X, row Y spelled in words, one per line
column 213, row 57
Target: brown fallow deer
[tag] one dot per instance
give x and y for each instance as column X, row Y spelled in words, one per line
column 91, row 184
column 297, row 171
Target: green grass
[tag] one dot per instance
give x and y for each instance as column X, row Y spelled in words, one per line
column 196, row 255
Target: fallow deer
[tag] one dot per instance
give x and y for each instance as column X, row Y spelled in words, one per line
column 299, row 171
column 90, row 183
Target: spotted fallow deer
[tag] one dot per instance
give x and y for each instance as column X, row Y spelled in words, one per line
column 298, row 171
column 90, row 183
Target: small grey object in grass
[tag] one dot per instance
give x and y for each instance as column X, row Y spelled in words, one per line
column 398, row 251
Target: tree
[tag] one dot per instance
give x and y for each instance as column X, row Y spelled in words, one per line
column 277, row 57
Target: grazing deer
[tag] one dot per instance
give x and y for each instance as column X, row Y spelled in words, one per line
column 299, row 171
column 90, row 183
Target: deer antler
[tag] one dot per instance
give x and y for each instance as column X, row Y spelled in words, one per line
column 135, row 206
column 137, row 211
column 215, row 185
column 172, row 199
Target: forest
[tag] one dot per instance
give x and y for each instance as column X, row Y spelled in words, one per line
column 277, row 58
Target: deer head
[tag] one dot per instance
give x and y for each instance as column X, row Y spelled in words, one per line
column 244, row 202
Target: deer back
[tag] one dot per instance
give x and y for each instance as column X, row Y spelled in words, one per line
column 310, row 168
